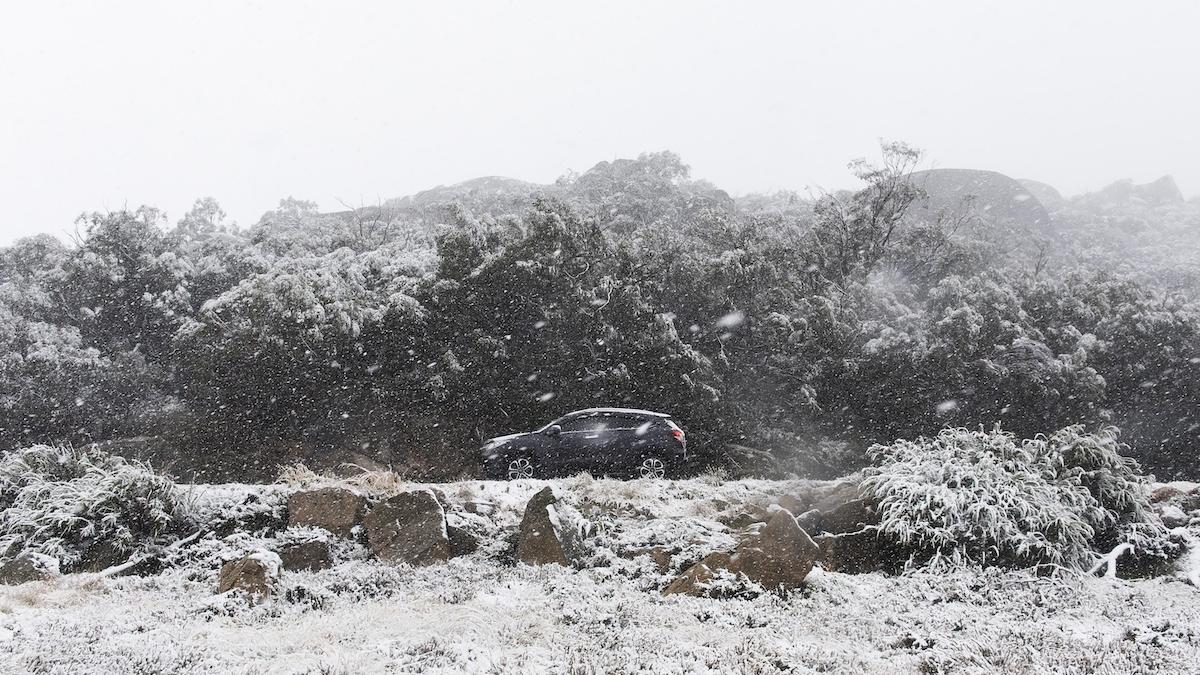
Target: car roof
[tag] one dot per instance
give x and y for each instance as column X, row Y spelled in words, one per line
column 616, row 411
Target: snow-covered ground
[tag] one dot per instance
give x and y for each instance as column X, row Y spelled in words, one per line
column 480, row 613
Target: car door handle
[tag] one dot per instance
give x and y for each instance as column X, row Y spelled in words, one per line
column 592, row 436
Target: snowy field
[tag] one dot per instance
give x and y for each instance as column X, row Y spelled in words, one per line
column 480, row 613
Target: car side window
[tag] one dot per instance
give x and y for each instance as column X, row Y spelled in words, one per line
column 585, row 423
column 626, row 422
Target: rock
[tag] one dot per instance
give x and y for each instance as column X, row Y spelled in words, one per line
column 1173, row 516
column 809, row 521
column 256, row 575
column 793, row 503
column 1045, row 193
column 409, row 528
column 440, row 496
column 479, row 507
column 661, row 556
column 335, row 509
column 540, row 536
column 1165, row 493
column 779, row 557
column 694, row 578
column 830, row 498
column 751, row 514
column 1160, row 192
column 851, row 553
column 28, row 566
column 462, row 542
column 849, row 517
column 995, row 197
column 309, row 555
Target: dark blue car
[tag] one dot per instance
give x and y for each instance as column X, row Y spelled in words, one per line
column 603, row 441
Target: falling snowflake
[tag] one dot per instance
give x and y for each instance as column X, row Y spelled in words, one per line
column 730, row 320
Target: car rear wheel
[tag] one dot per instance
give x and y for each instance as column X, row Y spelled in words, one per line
column 652, row 467
column 520, row 468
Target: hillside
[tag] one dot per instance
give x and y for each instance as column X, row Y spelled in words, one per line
column 481, row 613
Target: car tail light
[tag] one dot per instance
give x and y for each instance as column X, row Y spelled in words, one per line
column 678, row 434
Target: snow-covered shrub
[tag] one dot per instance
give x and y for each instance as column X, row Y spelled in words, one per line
column 64, row 502
column 986, row 498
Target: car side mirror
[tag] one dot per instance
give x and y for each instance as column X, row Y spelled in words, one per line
column 553, row 430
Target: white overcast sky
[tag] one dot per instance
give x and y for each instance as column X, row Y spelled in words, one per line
column 125, row 103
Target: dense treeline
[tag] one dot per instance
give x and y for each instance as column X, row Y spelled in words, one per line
column 785, row 333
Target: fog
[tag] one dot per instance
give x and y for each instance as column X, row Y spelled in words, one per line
column 132, row 103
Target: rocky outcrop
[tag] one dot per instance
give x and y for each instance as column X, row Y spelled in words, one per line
column 28, row 566
column 778, row 557
column 256, row 575
column 1162, row 192
column 541, row 536
column 1045, row 193
column 409, row 528
column 311, row 555
column 991, row 196
column 337, row 510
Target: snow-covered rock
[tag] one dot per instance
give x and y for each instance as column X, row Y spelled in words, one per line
column 256, row 574
column 409, row 528
column 311, row 555
column 540, row 540
column 28, row 566
column 335, row 509
column 778, row 557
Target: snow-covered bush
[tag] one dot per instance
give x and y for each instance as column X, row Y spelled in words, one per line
column 66, row 502
column 986, row 498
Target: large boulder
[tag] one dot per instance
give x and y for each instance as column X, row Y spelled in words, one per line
column 311, row 555
column 1045, row 193
column 255, row 574
column 409, row 528
column 541, row 536
column 778, row 557
column 335, row 509
column 28, row 566
column 1161, row 192
column 992, row 196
